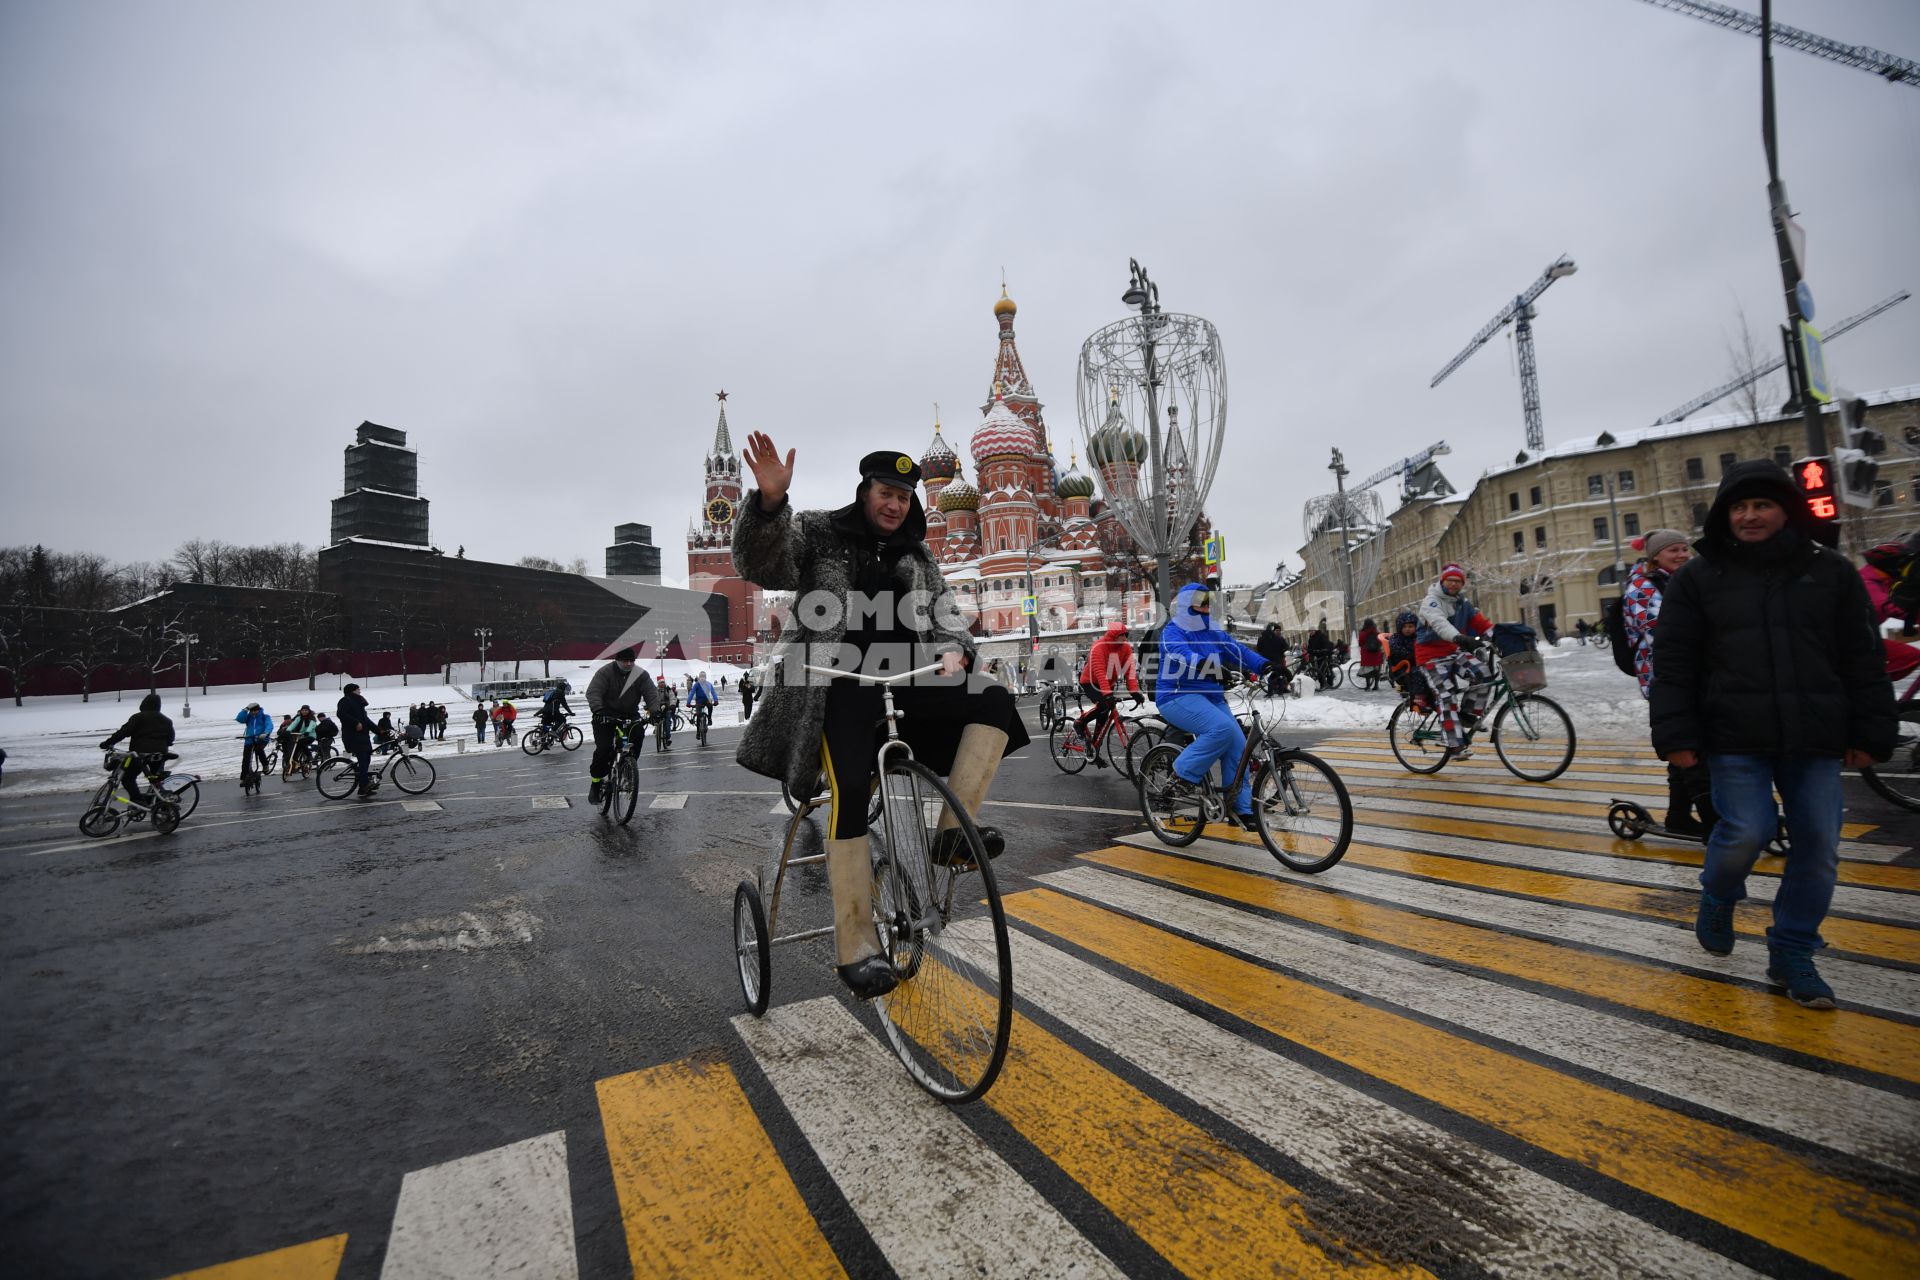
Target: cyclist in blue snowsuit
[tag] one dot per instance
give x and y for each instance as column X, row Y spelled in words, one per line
column 1195, row 653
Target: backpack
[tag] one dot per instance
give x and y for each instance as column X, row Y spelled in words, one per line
column 1613, row 620
column 1146, row 658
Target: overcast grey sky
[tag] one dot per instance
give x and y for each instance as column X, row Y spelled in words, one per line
column 538, row 238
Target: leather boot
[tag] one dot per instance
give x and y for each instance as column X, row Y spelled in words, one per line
column 1680, row 804
column 974, row 763
column 856, row 946
column 1699, row 784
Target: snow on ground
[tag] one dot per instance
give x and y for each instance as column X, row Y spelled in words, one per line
column 52, row 743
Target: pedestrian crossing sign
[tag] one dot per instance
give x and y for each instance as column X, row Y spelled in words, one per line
column 1216, row 548
column 1029, row 605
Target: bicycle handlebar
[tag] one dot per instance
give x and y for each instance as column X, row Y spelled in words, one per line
column 863, row 678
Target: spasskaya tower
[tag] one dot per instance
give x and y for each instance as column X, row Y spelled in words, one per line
column 710, row 547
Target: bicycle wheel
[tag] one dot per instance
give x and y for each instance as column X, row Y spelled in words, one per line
column 1334, row 675
column 533, row 742
column 752, row 947
column 1175, row 816
column 166, row 817
column 571, row 737
column 1898, row 779
column 188, row 798
column 412, row 774
column 949, row 1019
column 1416, row 738
column 1139, row 742
column 700, row 731
column 626, row 777
column 1068, row 748
column 1534, row 737
column 1303, row 811
column 100, row 817
column 336, row 780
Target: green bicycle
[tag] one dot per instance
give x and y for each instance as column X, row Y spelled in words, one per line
column 1532, row 733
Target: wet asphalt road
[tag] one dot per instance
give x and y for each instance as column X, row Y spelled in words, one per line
column 244, row 1034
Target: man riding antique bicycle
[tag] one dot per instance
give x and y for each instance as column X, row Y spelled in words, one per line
column 869, row 599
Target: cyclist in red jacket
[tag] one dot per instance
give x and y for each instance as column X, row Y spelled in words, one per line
column 1108, row 663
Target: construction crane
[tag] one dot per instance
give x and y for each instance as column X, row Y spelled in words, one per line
column 1758, row 372
column 1885, row 65
column 1404, row 468
column 1519, row 313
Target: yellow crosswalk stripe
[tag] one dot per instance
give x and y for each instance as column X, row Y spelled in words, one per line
column 1388, row 772
column 1884, row 941
column 1192, row 1198
column 1481, row 800
column 1852, row 871
column 1742, row 1182
column 314, row 1260
column 702, row 1190
column 1857, row 1039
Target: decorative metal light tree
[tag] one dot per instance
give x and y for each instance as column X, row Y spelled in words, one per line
column 1152, row 396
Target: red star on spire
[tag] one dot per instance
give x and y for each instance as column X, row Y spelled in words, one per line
column 723, row 396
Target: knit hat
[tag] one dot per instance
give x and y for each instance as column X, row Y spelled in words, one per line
column 1452, row 571
column 1660, row 539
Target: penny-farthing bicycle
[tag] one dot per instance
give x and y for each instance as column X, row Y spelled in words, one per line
column 939, row 922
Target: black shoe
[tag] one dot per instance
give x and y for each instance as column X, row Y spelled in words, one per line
column 1247, row 822
column 950, row 847
column 596, row 792
column 1681, row 823
column 869, row 977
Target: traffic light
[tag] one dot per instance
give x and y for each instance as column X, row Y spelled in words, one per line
column 1860, row 446
column 1815, row 480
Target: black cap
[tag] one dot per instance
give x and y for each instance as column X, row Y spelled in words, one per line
column 890, row 466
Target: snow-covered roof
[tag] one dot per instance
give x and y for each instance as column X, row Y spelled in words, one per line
column 1641, row 435
column 376, row 542
column 384, row 444
column 367, row 488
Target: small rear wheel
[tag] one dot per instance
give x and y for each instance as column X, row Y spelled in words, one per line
column 1625, row 820
column 166, row 816
column 1303, row 811
column 1898, row 780
column 1534, row 737
column 1068, row 747
column 336, row 779
column 752, row 947
column 1174, row 809
column 1418, row 742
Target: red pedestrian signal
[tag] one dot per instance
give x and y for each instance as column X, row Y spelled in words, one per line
column 1814, row 478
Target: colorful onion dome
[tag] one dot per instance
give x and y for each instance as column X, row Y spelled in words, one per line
column 1002, row 434
column 940, row 461
column 958, row 496
column 1075, row 484
column 1005, row 306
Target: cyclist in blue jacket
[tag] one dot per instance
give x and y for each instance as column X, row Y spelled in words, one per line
column 1195, row 654
column 257, row 727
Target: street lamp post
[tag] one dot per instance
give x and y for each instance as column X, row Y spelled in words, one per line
column 484, row 634
column 186, row 640
column 1033, row 619
column 1339, row 468
column 660, row 637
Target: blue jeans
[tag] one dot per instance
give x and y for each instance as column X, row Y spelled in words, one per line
column 1809, row 788
column 1217, row 737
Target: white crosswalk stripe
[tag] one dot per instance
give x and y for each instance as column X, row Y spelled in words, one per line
column 505, row 1212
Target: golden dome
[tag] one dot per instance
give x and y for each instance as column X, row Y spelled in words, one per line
column 1005, row 306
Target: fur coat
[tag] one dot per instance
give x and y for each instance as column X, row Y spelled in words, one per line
column 804, row 553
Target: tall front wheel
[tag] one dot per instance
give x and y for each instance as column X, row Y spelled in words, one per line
column 1418, row 742
column 941, row 923
column 100, row 818
column 412, row 774
column 1174, row 809
column 626, row 790
column 1068, row 747
column 752, row 947
column 1303, row 811
column 336, row 779
column 1534, row 737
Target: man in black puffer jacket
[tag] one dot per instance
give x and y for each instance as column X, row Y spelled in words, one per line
column 151, row 737
column 1770, row 670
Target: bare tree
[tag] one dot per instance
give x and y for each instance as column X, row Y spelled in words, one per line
column 150, row 635
column 511, row 618
column 25, row 643
column 313, row 623
column 577, row 565
column 262, row 635
column 540, row 562
column 92, row 641
column 407, row 619
column 1745, row 354
column 546, row 628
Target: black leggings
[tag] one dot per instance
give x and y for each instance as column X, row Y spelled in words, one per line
column 851, row 736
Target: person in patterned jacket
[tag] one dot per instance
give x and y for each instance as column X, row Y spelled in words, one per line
column 1665, row 550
